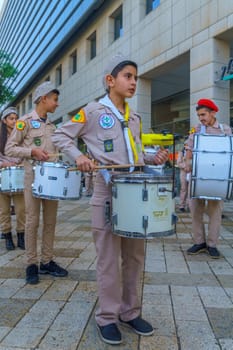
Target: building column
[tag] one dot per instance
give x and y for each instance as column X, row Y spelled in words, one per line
column 141, row 103
column 206, row 59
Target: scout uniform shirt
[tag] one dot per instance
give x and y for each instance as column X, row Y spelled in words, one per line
column 102, row 132
column 30, row 132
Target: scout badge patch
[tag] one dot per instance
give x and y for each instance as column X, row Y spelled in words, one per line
column 20, row 125
column 79, row 117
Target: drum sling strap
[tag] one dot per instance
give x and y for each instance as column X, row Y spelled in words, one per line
column 203, row 129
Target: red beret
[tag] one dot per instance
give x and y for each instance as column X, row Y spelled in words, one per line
column 208, row 103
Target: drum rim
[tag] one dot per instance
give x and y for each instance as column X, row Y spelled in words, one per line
column 141, row 178
column 18, row 167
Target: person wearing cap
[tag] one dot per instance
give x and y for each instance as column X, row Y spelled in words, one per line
column 107, row 127
column 8, row 120
column 31, row 140
column 184, row 184
column 206, row 111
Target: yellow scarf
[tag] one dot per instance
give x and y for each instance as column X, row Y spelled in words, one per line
column 131, row 139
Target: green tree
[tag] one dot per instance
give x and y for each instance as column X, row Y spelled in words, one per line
column 7, row 73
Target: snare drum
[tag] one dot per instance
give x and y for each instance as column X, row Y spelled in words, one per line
column 143, row 206
column 55, row 181
column 12, row 179
column 212, row 172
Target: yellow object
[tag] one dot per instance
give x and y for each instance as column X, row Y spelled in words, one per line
column 79, row 117
column 20, row 125
column 157, row 139
column 132, row 143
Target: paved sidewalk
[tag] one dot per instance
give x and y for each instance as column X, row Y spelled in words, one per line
column 188, row 299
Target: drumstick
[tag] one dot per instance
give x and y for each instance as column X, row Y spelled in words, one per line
column 113, row 166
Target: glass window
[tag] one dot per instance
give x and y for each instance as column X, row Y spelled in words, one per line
column 151, row 5
column 73, row 62
column 92, row 45
column 24, row 107
column 30, row 102
column 59, row 75
column 118, row 23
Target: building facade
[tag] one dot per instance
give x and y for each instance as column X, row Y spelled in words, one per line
column 181, row 47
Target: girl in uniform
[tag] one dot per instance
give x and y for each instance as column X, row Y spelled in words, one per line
column 8, row 121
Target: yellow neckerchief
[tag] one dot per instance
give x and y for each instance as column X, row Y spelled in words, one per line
column 131, row 139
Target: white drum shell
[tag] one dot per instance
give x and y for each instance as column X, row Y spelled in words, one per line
column 55, row 181
column 12, row 179
column 140, row 207
column 212, row 172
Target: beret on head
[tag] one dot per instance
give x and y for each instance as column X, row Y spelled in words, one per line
column 112, row 64
column 207, row 103
column 9, row 111
column 43, row 90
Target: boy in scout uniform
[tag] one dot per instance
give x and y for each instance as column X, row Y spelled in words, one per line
column 206, row 111
column 31, row 140
column 111, row 131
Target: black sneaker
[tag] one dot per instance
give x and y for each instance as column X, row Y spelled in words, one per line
column 32, row 274
column 213, row 252
column 110, row 334
column 182, row 210
column 53, row 269
column 3, row 236
column 139, row 326
column 197, row 248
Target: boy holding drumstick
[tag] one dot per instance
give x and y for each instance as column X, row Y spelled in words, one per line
column 31, row 140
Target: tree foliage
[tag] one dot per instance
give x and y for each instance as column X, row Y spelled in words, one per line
column 7, row 73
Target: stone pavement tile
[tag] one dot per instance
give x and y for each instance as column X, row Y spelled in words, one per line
column 226, row 344
column 158, row 343
column 180, row 279
column 10, row 287
column 195, row 335
column 229, row 292
column 156, row 289
column 221, row 321
column 19, row 261
column 198, row 267
column 155, row 265
column 4, row 331
column 225, row 281
column 91, row 340
column 214, row 297
column 33, row 326
column 221, row 267
column 29, row 291
column 12, row 310
column 175, row 262
column 59, row 290
column 158, row 310
column 68, row 327
column 188, row 312
column 85, row 291
column 21, row 338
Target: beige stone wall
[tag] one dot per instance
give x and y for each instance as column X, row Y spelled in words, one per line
column 175, row 27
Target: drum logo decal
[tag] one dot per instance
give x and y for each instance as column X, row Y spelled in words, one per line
column 20, row 125
column 79, row 117
column 106, row 121
column 161, row 215
column 35, row 124
column 37, row 141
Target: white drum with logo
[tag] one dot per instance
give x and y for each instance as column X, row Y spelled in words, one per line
column 143, row 206
column 56, row 181
column 12, row 179
column 212, row 172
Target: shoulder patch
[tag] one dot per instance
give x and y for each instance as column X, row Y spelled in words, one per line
column 192, row 130
column 20, row 125
column 80, row 117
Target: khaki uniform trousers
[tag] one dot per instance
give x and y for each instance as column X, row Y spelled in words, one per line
column 119, row 264
column 184, row 201
column 214, row 211
column 5, row 212
column 32, row 207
